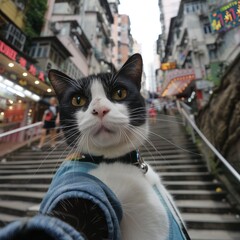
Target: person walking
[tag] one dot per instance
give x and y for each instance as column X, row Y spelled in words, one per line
column 50, row 120
column 152, row 114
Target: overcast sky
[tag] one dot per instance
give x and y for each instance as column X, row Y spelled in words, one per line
column 145, row 26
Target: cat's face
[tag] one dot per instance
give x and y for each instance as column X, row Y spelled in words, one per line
column 103, row 114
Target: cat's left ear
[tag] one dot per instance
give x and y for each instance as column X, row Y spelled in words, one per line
column 132, row 69
column 60, row 81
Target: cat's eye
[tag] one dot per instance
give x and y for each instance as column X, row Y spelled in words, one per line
column 119, row 94
column 79, row 100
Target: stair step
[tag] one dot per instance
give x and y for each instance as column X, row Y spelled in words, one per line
column 43, row 178
column 30, row 162
column 173, row 157
column 17, row 208
column 213, row 234
column 203, row 206
column 191, row 185
column 197, row 194
column 40, row 187
column 181, row 168
column 187, row 176
column 211, row 221
column 168, row 152
column 27, row 171
column 22, row 196
column 174, row 162
column 34, row 167
column 40, row 157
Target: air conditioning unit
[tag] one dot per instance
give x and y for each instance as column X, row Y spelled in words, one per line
column 55, row 27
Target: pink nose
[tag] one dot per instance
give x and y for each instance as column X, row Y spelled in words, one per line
column 100, row 112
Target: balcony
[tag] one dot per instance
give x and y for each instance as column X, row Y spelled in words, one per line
column 66, row 8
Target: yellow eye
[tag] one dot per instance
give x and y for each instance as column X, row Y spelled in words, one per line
column 79, row 101
column 119, row 94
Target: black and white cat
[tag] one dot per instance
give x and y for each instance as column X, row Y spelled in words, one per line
column 104, row 116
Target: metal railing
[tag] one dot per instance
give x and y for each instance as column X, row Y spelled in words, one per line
column 188, row 120
column 25, row 134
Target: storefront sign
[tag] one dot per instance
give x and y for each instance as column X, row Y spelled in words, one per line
column 226, row 17
column 168, row 66
column 6, row 50
column 13, row 55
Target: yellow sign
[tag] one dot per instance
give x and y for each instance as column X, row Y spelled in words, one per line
column 168, row 66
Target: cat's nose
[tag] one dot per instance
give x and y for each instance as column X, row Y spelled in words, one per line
column 100, row 112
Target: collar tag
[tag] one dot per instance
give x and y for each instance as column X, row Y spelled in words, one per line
column 140, row 163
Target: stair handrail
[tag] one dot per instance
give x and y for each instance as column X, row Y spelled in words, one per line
column 213, row 149
column 4, row 134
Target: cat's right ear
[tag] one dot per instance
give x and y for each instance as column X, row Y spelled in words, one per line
column 60, row 81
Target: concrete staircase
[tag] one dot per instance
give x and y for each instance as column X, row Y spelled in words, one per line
column 26, row 174
column 200, row 198
column 24, row 179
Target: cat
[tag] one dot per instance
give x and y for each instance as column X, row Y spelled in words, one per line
column 104, row 117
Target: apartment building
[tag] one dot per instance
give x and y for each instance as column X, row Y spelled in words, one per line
column 200, row 54
column 84, row 30
column 123, row 41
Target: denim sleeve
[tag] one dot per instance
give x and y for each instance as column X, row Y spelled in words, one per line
column 71, row 181
column 39, row 227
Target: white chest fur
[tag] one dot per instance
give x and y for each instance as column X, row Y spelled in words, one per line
column 144, row 217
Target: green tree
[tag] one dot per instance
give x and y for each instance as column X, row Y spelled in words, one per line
column 34, row 17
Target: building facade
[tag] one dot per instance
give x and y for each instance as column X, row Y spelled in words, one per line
column 22, row 81
column 193, row 45
column 123, row 41
column 84, row 30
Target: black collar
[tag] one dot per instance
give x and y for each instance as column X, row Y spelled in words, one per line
column 132, row 158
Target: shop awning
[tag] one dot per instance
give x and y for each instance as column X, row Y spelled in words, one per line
column 176, row 82
column 176, row 87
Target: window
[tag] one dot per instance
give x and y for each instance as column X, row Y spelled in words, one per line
column 207, row 28
column 15, row 36
column 212, row 51
column 212, row 54
column 40, row 51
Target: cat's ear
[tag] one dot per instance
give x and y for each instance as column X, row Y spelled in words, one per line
column 60, row 81
column 132, row 69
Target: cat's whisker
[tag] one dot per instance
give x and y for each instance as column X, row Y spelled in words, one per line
column 158, row 120
column 138, row 132
column 173, row 144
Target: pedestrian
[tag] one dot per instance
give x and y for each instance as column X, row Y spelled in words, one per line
column 165, row 109
column 50, row 120
column 152, row 114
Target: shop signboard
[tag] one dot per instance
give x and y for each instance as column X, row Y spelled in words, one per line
column 168, row 66
column 13, row 55
column 225, row 17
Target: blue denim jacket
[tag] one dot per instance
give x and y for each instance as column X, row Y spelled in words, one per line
column 71, row 180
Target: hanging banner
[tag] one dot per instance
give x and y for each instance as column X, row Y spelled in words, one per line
column 225, row 17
